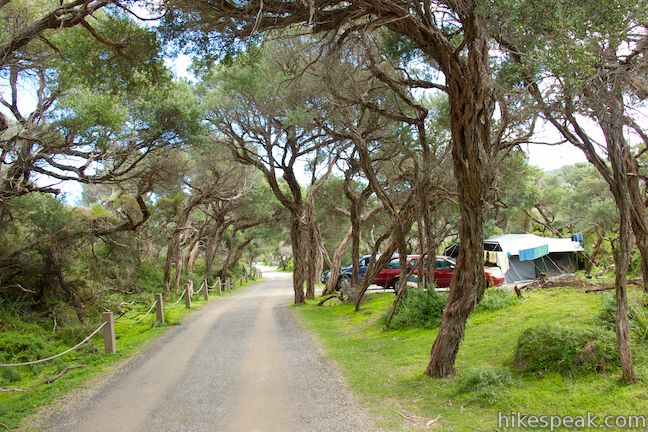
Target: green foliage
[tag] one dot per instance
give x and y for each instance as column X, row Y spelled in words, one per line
column 519, row 187
column 23, row 347
column 607, row 316
column 483, row 385
column 554, row 348
column 419, row 308
column 495, row 299
column 9, row 375
column 384, row 367
column 637, row 313
column 639, row 321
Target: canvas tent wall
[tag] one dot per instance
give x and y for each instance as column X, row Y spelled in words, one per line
column 525, row 257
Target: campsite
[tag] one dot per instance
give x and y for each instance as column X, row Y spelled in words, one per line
column 323, row 215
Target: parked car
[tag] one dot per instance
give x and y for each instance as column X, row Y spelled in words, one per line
column 444, row 267
column 387, row 277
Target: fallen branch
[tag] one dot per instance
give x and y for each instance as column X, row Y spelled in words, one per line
column 121, row 291
column 20, row 287
column 339, row 297
column 605, row 288
column 63, row 372
column 8, row 390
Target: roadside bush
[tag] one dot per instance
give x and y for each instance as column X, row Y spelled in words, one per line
column 607, row 316
column 484, row 384
column 9, row 375
column 17, row 347
column 638, row 314
column 639, row 321
column 419, row 308
column 495, row 299
column 553, row 348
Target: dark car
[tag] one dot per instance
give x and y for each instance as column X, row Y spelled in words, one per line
column 386, row 278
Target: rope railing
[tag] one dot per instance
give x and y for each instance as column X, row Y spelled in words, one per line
column 29, row 363
column 180, row 298
column 202, row 285
column 109, row 332
column 139, row 320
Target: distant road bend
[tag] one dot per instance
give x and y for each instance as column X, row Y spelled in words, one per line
column 240, row 364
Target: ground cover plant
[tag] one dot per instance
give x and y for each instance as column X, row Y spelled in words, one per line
column 27, row 340
column 385, row 366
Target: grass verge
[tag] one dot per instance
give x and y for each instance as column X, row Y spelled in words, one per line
column 15, row 406
column 385, row 367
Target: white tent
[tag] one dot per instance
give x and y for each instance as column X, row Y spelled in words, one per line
column 525, row 257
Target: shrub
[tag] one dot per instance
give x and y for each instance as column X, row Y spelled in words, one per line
column 553, row 348
column 495, row 299
column 419, row 308
column 639, row 321
column 18, row 347
column 9, row 375
column 484, row 385
column 637, row 312
column 607, row 316
column 481, row 377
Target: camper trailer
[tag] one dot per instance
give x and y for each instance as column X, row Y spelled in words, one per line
column 526, row 257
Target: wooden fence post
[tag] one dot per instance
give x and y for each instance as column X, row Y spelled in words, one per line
column 227, row 284
column 159, row 309
column 109, row 333
column 187, row 297
column 218, row 283
column 206, row 291
column 234, row 283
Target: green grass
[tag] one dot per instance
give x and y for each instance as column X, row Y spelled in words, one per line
column 131, row 339
column 385, row 367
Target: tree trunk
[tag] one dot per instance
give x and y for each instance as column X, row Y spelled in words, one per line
column 177, row 275
column 616, row 146
column 212, row 247
column 637, row 214
column 402, row 278
column 54, row 269
column 469, row 126
column 173, row 250
column 168, row 264
column 595, row 252
column 296, row 234
column 421, row 261
column 336, row 263
column 233, row 254
column 192, row 254
column 314, row 246
column 372, row 271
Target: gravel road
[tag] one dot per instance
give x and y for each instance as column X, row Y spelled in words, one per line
column 241, row 364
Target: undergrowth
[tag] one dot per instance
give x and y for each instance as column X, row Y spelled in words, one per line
column 555, row 348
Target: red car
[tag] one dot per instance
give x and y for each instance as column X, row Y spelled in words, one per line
column 388, row 277
column 444, row 266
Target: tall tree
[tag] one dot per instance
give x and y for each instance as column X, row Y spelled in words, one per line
column 451, row 36
column 264, row 119
column 595, row 82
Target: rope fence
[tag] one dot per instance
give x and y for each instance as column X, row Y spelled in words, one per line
column 141, row 319
column 108, row 324
column 180, row 298
column 29, row 363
